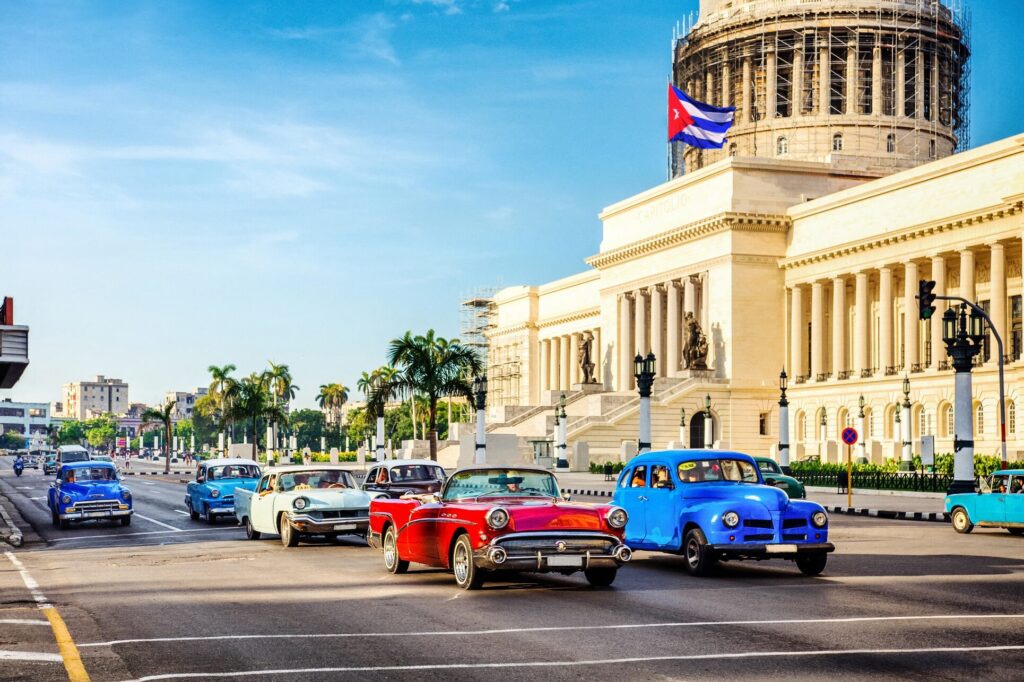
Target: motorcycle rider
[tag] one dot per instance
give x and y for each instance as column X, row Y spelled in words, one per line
column 19, row 464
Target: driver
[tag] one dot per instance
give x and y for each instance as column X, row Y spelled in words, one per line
column 301, row 481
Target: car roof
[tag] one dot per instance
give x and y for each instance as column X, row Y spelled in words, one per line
column 676, row 456
column 72, row 448
column 1009, row 472
column 484, row 467
column 88, row 464
column 228, row 460
column 289, row 468
column 402, row 462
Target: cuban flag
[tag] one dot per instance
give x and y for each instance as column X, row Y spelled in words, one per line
column 695, row 123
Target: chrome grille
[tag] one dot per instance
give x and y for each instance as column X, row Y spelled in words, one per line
column 97, row 505
column 340, row 514
column 517, row 546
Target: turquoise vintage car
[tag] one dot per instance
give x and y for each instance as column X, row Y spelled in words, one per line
column 87, row 491
column 998, row 504
column 774, row 475
column 212, row 493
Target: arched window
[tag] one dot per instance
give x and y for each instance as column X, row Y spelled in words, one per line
column 946, row 420
column 781, row 146
column 803, row 426
column 979, row 419
column 890, row 144
column 922, row 423
column 842, row 421
column 1011, row 417
column 837, row 142
column 732, row 149
column 868, row 414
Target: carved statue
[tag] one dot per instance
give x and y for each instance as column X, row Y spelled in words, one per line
column 695, row 344
column 585, row 358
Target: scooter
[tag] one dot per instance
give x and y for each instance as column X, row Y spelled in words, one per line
column 19, row 466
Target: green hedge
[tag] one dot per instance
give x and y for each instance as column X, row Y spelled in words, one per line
column 596, row 468
column 983, row 466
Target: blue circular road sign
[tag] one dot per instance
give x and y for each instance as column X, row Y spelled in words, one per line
column 849, row 435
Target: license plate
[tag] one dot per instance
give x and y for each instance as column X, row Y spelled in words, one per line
column 560, row 561
column 345, row 526
column 96, row 514
column 780, row 549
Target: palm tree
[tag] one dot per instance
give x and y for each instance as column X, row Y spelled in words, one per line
column 165, row 416
column 431, row 366
column 221, row 382
column 252, row 400
column 332, row 398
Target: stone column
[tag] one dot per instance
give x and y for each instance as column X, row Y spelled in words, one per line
column 901, row 81
column 838, row 326
column 564, row 365
column 933, row 94
column 796, row 331
column 673, row 324
column 545, row 364
column 939, row 275
column 797, row 95
column 911, row 356
column 556, row 363
column 861, row 339
column 689, row 296
column 851, row 76
column 709, row 93
column 771, row 82
column 876, row 77
column 597, row 357
column 574, row 359
column 747, row 113
column 656, row 326
column 824, row 77
column 966, row 275
column 997, row 296
column 640, row 338
column 726, row 80
column 817, row 329
column 625, row 364
column 885, row 318
column 919, row 84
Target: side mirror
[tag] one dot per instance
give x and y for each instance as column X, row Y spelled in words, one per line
column 567, row 497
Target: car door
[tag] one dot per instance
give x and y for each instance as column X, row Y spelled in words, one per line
column 991, row 507
column 1013, row 508
column 261, row 508
column 631, row 495
column 661, row 522
column 422, row 536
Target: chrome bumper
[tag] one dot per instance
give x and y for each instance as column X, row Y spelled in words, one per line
column 581, row 551
column 96, row 514
column 769, row 550
column 374, row 540
column 304, row 523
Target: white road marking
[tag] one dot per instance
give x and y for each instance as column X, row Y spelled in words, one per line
column 180, row 511
column 24, row 487
column 556, row 628
column 160, row 523
column 148, row 532
column 23, row 621
column 29, row 655
column 146, row 482
column 30, row 582
column 567, row 664
column 38, row 498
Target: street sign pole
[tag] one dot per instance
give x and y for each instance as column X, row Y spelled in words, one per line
column 849, row 437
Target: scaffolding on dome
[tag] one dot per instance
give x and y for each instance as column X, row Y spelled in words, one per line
column 477, row 318
column 908, row 63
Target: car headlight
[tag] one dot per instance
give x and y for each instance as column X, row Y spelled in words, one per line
column 214, row 493
column 126, row 494
column 300, row 503
column 819, row 519
column 731, row 519
column 617, row 517
column 497, row 518
column 66, row 499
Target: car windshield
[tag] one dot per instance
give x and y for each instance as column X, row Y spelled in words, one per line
column 768, row 466
column 500, row 482
column 416, row 473
column 101, row 458
column 711, row 470
column 233, row 471
column 74, row 456
column 90, row 475
column 315, row 478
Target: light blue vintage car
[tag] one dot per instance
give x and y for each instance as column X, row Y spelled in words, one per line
column 87, row 491
column 999, row 504
column 713, row 505
column 212, row 493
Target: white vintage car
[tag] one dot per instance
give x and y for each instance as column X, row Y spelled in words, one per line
column 300, row 500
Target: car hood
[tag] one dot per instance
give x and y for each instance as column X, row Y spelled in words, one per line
column 327, row 499
column 91, row 491
column 547, row 515
column 769, row 496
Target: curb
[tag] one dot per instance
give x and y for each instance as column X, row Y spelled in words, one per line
column 154, row 473
column 13, row 536
column 937, row 517
column 586, row 493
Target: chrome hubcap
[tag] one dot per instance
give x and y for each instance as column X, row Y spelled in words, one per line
column 389, row 550
column 692, row 552
column 958, row 519
column 461, row 564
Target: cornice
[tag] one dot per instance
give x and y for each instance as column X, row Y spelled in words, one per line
column 514, row 329
column 727, row 220
column 572, row 317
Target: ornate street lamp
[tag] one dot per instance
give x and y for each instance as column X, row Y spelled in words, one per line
column 480, row 398
column 643, row 371
column 907, row 431
column 861, row 443
column 963, row 344
column 682, row 428
column 709, row 441
column 561, row 428
column 783, row 421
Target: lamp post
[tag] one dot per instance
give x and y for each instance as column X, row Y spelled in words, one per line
column 783, row 422
column 682, row 428
column 907, row 456
column 963, row 343
column 861, row 445
column 897, row 432
column 561, row 429
column 823, row 437
column 480, row 398
column 709, row 423
column 643, row 371
column 379, row 442
column 270, row 445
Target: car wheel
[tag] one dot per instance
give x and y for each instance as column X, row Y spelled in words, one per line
column 812, row 564
column 961, row 521
column 192, row 513
column 126, row 520
column 467, row 575
column 210, row 518
column 695, row 548
column 64, row 524
column 1016, row 531
column 289, row 538
column 55, row 517
column 392, row 561
column 251, row 532
column 600, row 577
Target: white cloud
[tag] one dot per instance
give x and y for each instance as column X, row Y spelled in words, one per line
column 501, row 6
column 448, row 6
column 374, row 38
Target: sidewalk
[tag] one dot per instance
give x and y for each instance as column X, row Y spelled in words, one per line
column 883, row 504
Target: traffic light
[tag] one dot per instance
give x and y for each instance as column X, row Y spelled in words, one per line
column 925, row 298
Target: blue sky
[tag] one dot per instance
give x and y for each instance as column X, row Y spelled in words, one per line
column 187, row 183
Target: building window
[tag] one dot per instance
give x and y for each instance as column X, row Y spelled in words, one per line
column 762, row 424
column 1015, row 327
column 947, row 419
column 732, row 149
column 781, row 146
column 837, row 142
column 1011, row 417
column 11, row 412
column 931, row 149
column 37, row 411
column 890, row 144
column 922, row 423
column 979, row 419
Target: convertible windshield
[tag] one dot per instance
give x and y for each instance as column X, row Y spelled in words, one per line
column 768, row 467
column 90, row 475
column 500, row 482
column 314, row 478
column 416, row 472
column 233, row 471
column 711, row 470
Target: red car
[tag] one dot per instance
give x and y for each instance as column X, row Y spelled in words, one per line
column 497, row 518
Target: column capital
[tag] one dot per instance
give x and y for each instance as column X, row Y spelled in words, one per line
column 995, row 243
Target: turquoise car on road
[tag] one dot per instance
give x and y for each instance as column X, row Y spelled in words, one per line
column 212, row 494
column 999, row 504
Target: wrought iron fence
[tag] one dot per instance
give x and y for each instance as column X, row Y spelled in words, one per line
column 932, row 483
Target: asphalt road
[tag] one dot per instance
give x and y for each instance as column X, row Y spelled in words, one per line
column 168, row 598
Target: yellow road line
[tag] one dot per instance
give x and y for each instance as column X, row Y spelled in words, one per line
column 66, row 645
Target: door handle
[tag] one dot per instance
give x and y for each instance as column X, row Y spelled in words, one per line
column 642, row 498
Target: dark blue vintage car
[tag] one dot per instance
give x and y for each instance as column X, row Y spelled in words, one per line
column 713, row 505
column 88, row 491
column 212, row 494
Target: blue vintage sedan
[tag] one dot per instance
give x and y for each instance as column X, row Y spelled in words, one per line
column 713, row 505
column 999, row 504
column 85, row 491
column 212, row 494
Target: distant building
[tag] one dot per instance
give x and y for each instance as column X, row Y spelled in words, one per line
column 88, row 399
column 31, row 420
column 13, row 345
column 184, row 401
